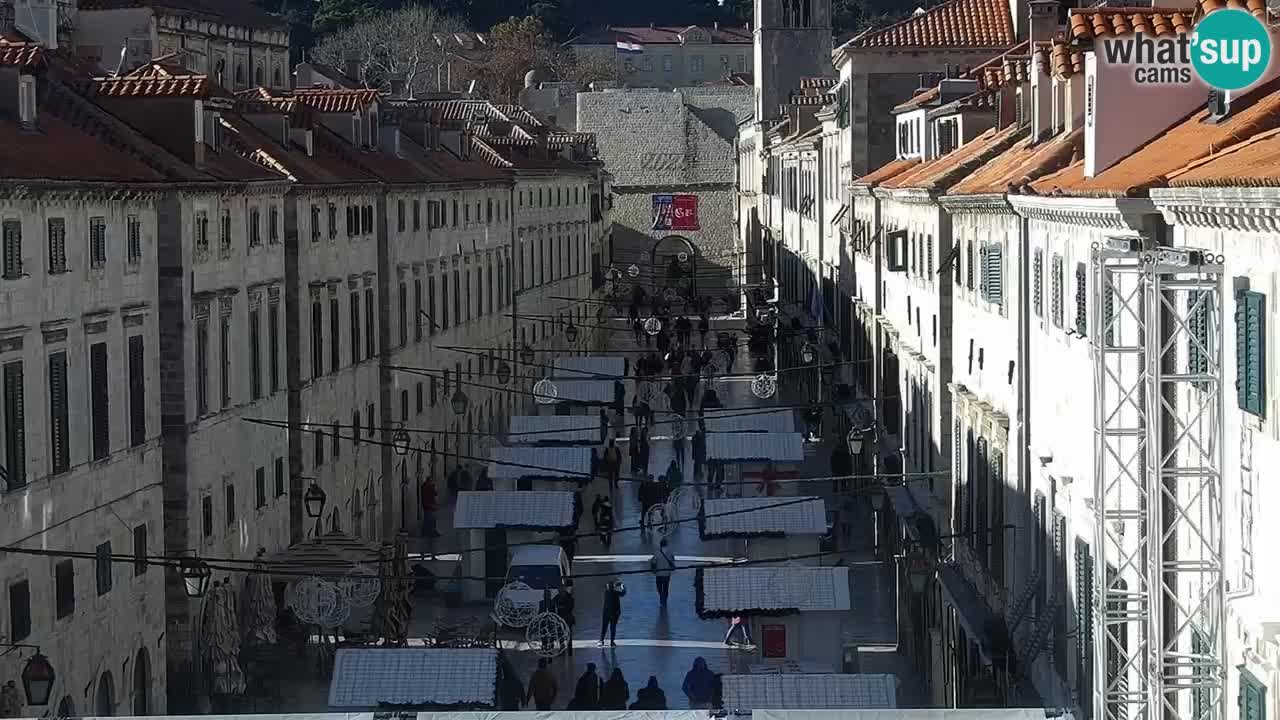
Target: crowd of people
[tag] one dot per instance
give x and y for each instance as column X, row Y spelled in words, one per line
column 592, row 692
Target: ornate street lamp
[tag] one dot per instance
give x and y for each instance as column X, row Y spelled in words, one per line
column 808, row 354
column 571, row 333
column 314, row 500
column 634, row 270
column 400, row 441
column 877, row 500
column 919, row 570
column 854, row 439
column 459, row 402
column 37, row 680
column 526, row 354
column 504, row 372
column 195, row 576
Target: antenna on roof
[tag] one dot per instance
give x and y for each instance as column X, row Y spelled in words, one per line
column 124, row 50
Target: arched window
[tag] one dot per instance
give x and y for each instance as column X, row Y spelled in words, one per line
column 805, row 10
column 357, row 511
column 220, row 72
column 276, row 78
column 105, row 703
column 240, row 78
column 142, row 683
column 257, row 76
column 66, row 707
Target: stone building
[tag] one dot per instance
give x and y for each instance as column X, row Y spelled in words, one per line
column 234, row 42
column 658, row 144
column 670, row 57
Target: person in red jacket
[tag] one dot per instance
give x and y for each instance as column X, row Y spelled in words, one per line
column 429, row 507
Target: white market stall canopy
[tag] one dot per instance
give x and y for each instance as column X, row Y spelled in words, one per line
column 744, row 590
column 557, row 463
column 938, row 714
column 753, row 446
column 365, row 677
column 536, row 429
column 586, row 392
column 796, row 691
column 763, row 517
column 484, row 510
column 732, row 421
column 590, row 368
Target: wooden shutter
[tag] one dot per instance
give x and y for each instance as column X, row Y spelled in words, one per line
column 59, row 446
column 1251, row 359
column 98, row 400
column 317, row 341
column 137, row 391
column 1084, row 620
column 1253, row 697
column 1037, row 282
column 1082, row 300
column 1198, row 332
column 12, row 249
column 993, row 273
column 15, row 424
column 255, row 355
column 1055, row 290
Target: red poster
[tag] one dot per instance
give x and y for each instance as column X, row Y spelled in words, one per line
column 773, row 641
column 685, row 216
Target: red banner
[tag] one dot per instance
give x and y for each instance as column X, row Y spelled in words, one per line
column 686, row 213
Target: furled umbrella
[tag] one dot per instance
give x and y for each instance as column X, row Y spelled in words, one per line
column 401, row 601
column 222, row 642
column 258, row 606
column 383, row 625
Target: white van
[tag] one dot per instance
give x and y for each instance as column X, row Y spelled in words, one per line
column 541, row 567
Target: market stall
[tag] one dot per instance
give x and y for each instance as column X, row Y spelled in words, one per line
column 791, row 612
column 806, row 691
column 577, row 397
column 764, row 528
column 497, row 520
column 738, row 462
column 523, row 467
column 590, row 368
column 414, row 679
column 555, row 430
column 737, row 421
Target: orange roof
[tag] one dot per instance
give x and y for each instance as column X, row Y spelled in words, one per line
column 336, row 100
column 1090, row 23
column 20, row 53
column 955, row 23
column 1061, row 59
column 1187, row 141
column 154, row 79
column 941, row 173
column 1252, row 163
column 1022, row 163
column 988, row 74
column 63, row 150
column 1257, row 8
column 817, row 83
column 886, row 171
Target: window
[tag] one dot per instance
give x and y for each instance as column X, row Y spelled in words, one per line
column 315, row 223
column 417, row 309
column 231, row 503
column 137, row 391
column 255, row 355
column 696, row 64
column 400, row 215
column 57, row 245
column 12, row 230
column 102, row 566
column 404, row 314
column 1082, row 304
column 1253, row 697
column 1084, row 619
column 224, row 344
column 19, row 611
column 317, row 339
column 99, row 411
column 133, row 240
column 1055, row 290
column 336, row 451
column 59, row 447
column 202, row 365
column 97, row 242
column 279, row 477
column 317, row 447
column 366, row 219
column 457, row 295
column 431, row 305
column 355, row 427
column 666, row 63
column 404, row 405
column 139, row 550
column 273, row 344
column 417, row 215
column 1037, row 282
column 335, row 344
column 224, row 234
column 333, row 221
column 1251, row 347
column 369, row 326
column 371, row 428
column 64, row 588
column 355, row 326
column 993, row 273
column 206, row 516
column 255, row 227
column 353, row 220
column 273, row 225
column 417, row 391
column 260, row 487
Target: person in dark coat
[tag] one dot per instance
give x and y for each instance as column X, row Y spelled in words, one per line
column 699, row 451
column 650, row 493
column 711, row 400
column 569, row 542
column 510, row 690
column 841, row 467
column 650, row 697
column 564, row 604
column 704, row 325
column 633, row 449
column 612, row 611
column 604, row 523
column 586, row 695
column 464, row 478
column 616, row 692
column 543, row 686
column 577, row 508
column 699, row 684
column 644, row 450
column 683, row 330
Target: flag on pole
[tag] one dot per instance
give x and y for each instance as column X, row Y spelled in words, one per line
column 629, row 47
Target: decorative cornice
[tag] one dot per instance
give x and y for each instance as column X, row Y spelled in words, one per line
column 1122, row 214
column 1244, row 209
column 997, row 203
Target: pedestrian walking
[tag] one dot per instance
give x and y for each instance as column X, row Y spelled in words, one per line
column 612, row 611
column 564, row 604
column 699, row 450
column 649, row 496
column 616, row 692
column 637, row 329
column 430, row 505
column 511, row 694
column 637, row 409
column 577, row 508
column 644, row 450
column 662, row 564
column 683, row 330
column 675, row 476
column 699, row 684
column 650, row 697
column 482, row 480
column 841, row 467
column 569, row 542
column 633, row 450
column 543, row 686
column 664, row 341
column 613, row 464
column 464, row 478
column 605, row 524
column 704, row 326
column 586, row 696
column 634, row 312
column 769, row 480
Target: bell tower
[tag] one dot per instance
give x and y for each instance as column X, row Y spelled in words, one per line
column 792, row 41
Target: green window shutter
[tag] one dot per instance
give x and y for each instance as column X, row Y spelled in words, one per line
column 1251, row 359
column 1199, row 696
column 1252, row 698
column 1084, row 618
column 1198, row 332
column 1037, row 282
column 1109, row 313
column 1055, row 290
column 1082, row 300
column 993, row 274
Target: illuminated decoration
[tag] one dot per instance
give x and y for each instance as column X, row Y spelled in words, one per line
column 512, row 607
column 361, row 586
column 545, row 392
column 764, row 386
column 548, row 634
column 653, row 326
column 634, row 270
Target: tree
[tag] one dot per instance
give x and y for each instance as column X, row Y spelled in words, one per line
column 519, row 45
column 392, row 46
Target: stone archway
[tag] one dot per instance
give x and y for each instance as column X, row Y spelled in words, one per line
column 670, row 270
column 105, row 701
column 142, row 683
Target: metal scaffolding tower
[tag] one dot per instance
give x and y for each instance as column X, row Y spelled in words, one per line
column 1158, row 615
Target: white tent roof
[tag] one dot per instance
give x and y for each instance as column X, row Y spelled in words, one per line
column 513, row 463
column 803, row 691
column 592, row 392
column 777, row 421
column 938, row 714
column 364, row 677
column 804, row 588
column 746, row 517
column 499, row 508
column 590, row 368
column 534, row 429
column 734, row 447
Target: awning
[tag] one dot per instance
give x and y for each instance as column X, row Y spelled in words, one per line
column 738, row 447
column 331, row 554
column 973, row 612
column 369, row 677
column 533, row 509
column 796, row 691
column 919, row 524
column 778, row 421
column 938, row 714
column 584, row 392
column 590, row 368
column 546, row 429
column 555, row 463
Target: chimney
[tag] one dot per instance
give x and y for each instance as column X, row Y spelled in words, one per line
column 716, row 25
column 27, row 101
column 305, row 138
column 1043, row 21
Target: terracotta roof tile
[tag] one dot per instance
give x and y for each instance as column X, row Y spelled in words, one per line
column 1087, row 24
column 941, row 173
column 1063, row 59
column 490, row 155
column 1257, row 8
column 336, row 100
column 818, row 83
column 988, row 74
column 662, row 35
column 20, row 53
column 890, row 169
column 520, row 116
column 1252, row 163
column 1019, row 165
column 156, row 79
column 1187, row 141
column 956, row 23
